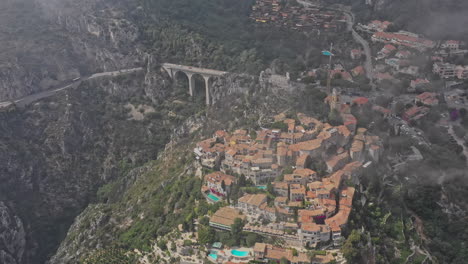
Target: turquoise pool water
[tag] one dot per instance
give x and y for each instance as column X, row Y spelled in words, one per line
column 239, row 253
column 212, row 197
column 262, row 187
column 213, row 256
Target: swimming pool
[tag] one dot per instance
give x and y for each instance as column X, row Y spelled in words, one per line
column 212, row 197
column 239, row 253
column 262, row 187
column 213, row 256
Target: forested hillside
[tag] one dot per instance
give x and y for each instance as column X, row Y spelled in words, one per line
column 229, row 40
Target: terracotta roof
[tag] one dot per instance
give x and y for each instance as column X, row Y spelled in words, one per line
column 405, row 39
column 315, row 185
column 226, row 216
column 389, row 47
column 323, row 258
column 333, row 161
column 344, row 130
column 231, row 152
column 349, row 119
column 341, row 218
column 381, row 109
column 217, row 177
column 359, row 70
column 280, row 185
column 302, row 160
column 282, row 150
column 281, row 199
column 221, row 133
column 310, row 145
column 357, row 146
column 361, row 100
column 277, row 253
column 426, row 95
column 415, row 110
column 350, row 167
column 253, row 199
column 305, row 172
column 311, row 227
column 242, row 132
column 259, row 247
column 301, row 190
column 264, row 206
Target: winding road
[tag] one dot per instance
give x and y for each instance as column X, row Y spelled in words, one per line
column 367, row 51
column 23, row 101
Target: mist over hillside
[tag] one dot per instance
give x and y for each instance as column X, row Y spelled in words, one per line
column 436, row 19
column 102, row 168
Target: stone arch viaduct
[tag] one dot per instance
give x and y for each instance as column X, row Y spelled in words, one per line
column 207, row 74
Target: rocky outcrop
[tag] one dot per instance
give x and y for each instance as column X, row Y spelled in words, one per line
column 12, row 237
column 56, row 153
column 50, row 42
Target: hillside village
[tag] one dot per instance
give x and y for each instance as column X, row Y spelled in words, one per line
column 297, row 17
column 305, row 173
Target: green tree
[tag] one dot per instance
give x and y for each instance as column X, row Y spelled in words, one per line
column 334, row 118
column 162, row 244
column 351, row 247
column 206, row 235
column 252, row 238
column 294, row 252
column 204, row 221
column 284, row 260
column 223, row 185
column 270, row 188
column 236, row 230
column 242, row 181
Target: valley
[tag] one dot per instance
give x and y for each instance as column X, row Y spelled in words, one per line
column 267, row 131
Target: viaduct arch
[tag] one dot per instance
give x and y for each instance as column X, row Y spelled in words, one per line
column 172, row 69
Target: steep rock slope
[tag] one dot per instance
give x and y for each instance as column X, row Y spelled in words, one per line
column 55, row 153
column 13, row 239
column 42, row 48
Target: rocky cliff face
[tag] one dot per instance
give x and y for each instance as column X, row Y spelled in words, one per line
column 13, row 238
column 48, row 42
column 56, row 153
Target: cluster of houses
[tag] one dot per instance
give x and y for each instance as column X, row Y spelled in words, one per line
column 375, row 26
column 282, row 14
column 398, row 60
column 404, row 38
column 271, row 253
column 307, row 208
column 397, row 55
column 423, row 102
column 449, row 70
